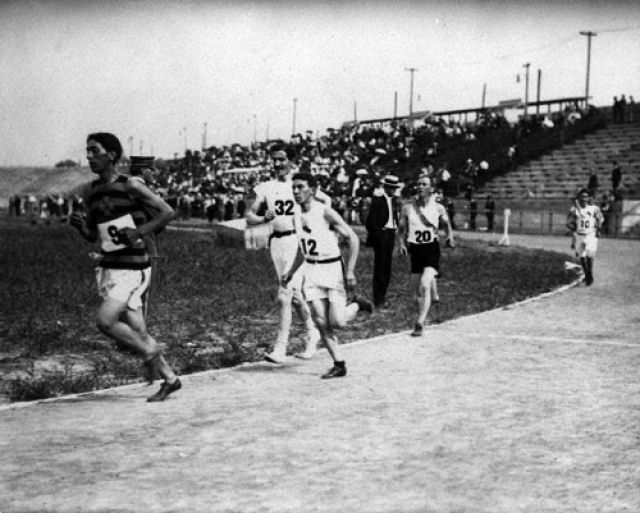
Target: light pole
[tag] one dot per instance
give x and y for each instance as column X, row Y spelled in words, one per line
column 141, row 146
column 412, row 71
column 295, row 103
column 130, row 145
column 204, row 137
column 255, row 130
column 589, row 35
column 526, row 88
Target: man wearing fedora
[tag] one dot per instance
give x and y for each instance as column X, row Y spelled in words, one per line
column 381, row 224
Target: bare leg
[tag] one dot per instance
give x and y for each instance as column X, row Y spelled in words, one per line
column 135, row 319
column 109, row 322
column 320, row 312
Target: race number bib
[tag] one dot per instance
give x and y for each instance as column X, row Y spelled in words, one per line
column 109, row 233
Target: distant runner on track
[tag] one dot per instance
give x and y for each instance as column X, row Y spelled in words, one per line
column 116, row 217
column 584, row 220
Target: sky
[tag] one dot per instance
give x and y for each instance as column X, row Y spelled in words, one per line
column 159, row 74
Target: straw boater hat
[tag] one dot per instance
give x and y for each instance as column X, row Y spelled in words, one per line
column 390, row 181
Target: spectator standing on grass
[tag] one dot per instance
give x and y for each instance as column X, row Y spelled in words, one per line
column 381, row 224
column 473, row 212
column 275, row 197
column 324, row 273
column 116, row 217
column 584, row 220
column 490, row 211
column 451, row 211
column 418, row 236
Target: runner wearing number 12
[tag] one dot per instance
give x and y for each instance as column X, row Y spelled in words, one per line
column 275, row 197
column 116, row 218
column 418, row 235
column 325, row 277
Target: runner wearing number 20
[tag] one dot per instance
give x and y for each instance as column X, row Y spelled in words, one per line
column 116, row 217
column 281, row 211
column 418, row 233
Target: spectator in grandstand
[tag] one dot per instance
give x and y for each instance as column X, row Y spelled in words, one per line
column 622, row 113
column 615, row 110
column 381, row 224
column 511, row 157
column 584, row 220
column 592, row 184
column 490, row 211
column 116, row 218
column 326, row 279
column 616, row 176
column 631, row 110
column 274, row 204
column 443, row 178
column 418, row 236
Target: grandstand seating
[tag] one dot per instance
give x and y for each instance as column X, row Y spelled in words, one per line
column 562, row 172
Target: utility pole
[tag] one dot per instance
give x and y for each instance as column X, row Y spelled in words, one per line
column 526, row 89
column 295, row 103
column 412, row 71
column 141, row 146
column 589, row 35
column 185, row 138
column 255, row 130
column 538, row 92
column 204, row 137
column 355, row 111
column 395, row 104
column 484, row 94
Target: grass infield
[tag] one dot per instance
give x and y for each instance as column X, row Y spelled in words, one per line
column 211, row 306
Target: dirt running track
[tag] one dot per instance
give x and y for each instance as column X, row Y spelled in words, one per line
column 534, row 408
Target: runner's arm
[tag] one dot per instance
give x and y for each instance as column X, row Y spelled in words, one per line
column 84, row 223
column 403, row 225
column 161, row 212
column 342, row 228
column 252, row 216
column 444, row 219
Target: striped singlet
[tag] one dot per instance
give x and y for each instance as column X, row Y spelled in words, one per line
column 111, row 207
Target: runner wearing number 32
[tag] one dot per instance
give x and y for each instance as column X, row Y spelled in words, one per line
column 275, row 199
column 418, row 235
column 116, row 217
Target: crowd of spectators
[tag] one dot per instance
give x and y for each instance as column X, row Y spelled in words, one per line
column 459, row 156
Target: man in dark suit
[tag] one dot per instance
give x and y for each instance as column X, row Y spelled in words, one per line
column 381, row 224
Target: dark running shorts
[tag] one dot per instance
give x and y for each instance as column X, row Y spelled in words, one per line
column 424, row 255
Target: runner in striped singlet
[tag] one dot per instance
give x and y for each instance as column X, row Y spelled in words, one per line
column 116, row 219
